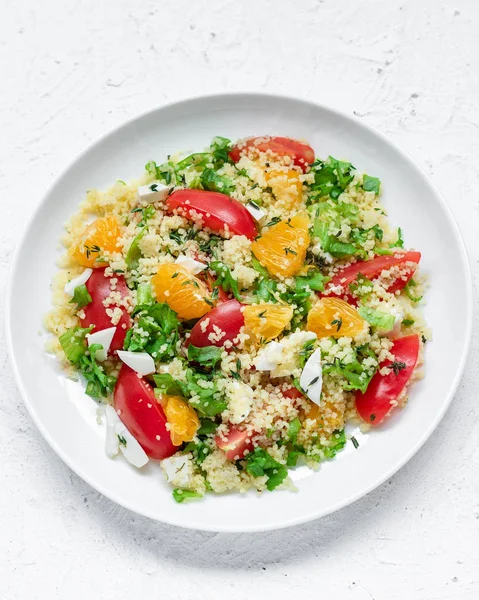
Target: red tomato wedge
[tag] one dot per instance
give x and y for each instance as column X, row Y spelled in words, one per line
column 99, row 287
column 227, row 316
column 216, row 209
column 383, row 390
column 237, row 444
column 302, row 154
column 373, row 269
column 144, row 418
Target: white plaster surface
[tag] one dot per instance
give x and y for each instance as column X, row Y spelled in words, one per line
column 72, row 69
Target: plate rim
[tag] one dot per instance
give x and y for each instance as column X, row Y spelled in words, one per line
column 246, row 95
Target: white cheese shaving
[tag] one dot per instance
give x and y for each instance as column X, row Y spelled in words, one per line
column 190, row 264
column 269, row 357
column 311, row 380
column 178, row 470
column 119, row 438
column 80, row 280
column 255, row 211
column 141, row 362
column 104, row 338
column 153, row 192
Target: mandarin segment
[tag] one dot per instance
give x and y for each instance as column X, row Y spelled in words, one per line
column 286, row 186
column 332, row 317
column 182, row 418
column 97, row 238
column 264, row 322
column 184, row 293
column 282, row 248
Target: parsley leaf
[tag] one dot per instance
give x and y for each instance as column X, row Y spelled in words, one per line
column 371, row 184
column 225, row 279
column 208, row 356
column 81, row 296
column 259, row 463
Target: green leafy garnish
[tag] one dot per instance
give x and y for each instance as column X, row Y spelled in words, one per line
column 407, row 289
column 331, row 177
column 144, row 294
column 210, row 180
column 181, row 495
column 134, row 253
column 166, row 384
column 293, row 430
column 399, row 243
column 377, row 318
column 207, row 427
column 208, row 356
column 371, row 184
column 225, row 279
column 204, row 394
column 73, row 343
column 259, row 463
column 408, row 322
column 361, row 287
column 219, row 148
column 314, row 280
column 155, row 332
column 81, row 296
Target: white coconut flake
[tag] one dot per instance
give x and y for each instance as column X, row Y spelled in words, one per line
column 80, row 280
column 141, row 362
column 104, row 338
column 311, row 380
column 190, row 264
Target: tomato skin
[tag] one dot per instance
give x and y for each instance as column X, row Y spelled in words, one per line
column 302, row 154
column 372, row 269
column 227, row 316
column 98, row 286
column 237, row 443
column 293, row 393
column 375, row 403
column 217, row 210
column 146, row 419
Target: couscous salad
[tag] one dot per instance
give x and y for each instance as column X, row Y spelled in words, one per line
column 233, row 309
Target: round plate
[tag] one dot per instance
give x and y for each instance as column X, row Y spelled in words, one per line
column 67, row 418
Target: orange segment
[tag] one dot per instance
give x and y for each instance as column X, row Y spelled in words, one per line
column 286, row 186
column 187, row 295
column 97, row 238
column 264, row 322
column 183, row 420
column 282, row 248
column 332, row 317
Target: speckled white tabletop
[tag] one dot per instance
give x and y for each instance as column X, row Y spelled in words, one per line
column 74, row 69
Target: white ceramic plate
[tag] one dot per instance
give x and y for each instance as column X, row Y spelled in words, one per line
column 66, row 417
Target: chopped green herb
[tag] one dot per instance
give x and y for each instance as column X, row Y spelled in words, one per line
column 355, row 442
column 259, row 463
column 371, row 184
column 208, row 356
column 397, row 366
column 81, row 296
column 338, row 323
column 225, row 279
column 407, row 288
column 408, row 322
column 181, row 495
column 122, row 440
column 377, row 318
column 289, row 251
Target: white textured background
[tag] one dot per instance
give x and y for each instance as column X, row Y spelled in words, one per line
column 72, row 69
